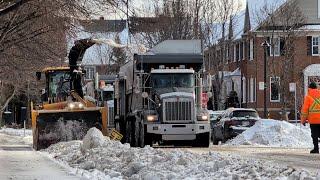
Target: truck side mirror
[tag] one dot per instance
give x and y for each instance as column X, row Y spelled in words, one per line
column 38, row 74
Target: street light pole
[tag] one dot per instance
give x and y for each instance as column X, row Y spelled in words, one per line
column 265, row 46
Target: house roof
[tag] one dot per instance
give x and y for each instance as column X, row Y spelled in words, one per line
column 102, row 25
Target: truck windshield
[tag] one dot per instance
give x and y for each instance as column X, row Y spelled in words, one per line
column 59, row 85
column 172, row 80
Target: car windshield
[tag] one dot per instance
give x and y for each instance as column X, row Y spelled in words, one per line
column 182, row 80
column 214, row 117
column 245, row 114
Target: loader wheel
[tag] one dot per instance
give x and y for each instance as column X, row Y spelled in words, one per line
column 35, row 136
column 128, row 132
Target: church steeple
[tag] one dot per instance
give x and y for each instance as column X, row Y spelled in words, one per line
column 247, row 25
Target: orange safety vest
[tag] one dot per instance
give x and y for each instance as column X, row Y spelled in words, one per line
column 311, row 107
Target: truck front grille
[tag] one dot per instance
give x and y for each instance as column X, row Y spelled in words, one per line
column 178, row 111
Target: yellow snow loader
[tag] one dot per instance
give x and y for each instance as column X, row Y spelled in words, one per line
column 65, row 113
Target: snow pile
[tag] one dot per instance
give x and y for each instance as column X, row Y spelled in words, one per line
column 275, row 133
column 16, row 132
column 92, row 139
column 99, row 157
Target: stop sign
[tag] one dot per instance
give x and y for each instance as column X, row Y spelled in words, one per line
column 204, row 99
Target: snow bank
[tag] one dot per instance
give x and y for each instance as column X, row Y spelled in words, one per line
column 93, row 139
column 274, row 133
column 16, row 132
column 98, row 157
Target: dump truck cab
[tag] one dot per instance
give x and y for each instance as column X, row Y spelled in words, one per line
column 158, row 96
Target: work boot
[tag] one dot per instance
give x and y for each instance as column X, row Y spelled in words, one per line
column 314, row 151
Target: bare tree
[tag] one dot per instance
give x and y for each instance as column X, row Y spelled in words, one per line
column 179, row 19
column 220, row 18
column 33, row 36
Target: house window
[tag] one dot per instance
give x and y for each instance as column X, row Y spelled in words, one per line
column 251, row 90
column 318, row 8
column 90, row 71
column 241, row 50
column 315, row 46
column 227, row 55
column 251, row 49
column 275, row 89
column 234, row 53
column 244, row 50
column 244, row 97
column 255, row 90
column 275, row 46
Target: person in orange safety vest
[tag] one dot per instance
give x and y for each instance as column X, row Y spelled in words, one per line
column 310, row 113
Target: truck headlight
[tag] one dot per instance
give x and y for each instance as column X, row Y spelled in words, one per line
column 81, row 105
column 152, row 118
column 71, row 105
column 202, row 118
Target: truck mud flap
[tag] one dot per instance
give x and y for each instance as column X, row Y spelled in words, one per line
column 52, row 128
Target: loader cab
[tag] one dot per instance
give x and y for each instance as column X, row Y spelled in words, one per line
column 57, row 84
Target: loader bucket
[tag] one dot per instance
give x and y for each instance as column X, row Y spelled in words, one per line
column 53, row 127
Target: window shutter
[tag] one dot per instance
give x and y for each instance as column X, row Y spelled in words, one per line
column 282, row 50
column 253, row 48
column 309, row 45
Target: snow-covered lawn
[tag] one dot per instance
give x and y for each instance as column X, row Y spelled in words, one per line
column 9, row 136
column 16, row 132
column 98, row 157
column 274, row 133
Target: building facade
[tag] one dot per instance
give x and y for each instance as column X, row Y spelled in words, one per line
column 292, row 57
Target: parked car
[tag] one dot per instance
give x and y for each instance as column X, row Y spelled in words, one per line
column 232, row 123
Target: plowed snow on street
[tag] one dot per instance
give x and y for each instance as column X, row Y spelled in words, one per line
column 268, row 150
column 98, row 157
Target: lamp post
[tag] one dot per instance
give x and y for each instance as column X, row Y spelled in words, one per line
column 265, row 46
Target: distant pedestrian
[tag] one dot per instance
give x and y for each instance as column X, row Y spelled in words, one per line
column 310, row 112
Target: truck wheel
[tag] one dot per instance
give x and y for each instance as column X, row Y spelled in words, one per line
column 147, row 137
column 215, row 141
column 202, row 140
column 128, row 132
column 141, row 135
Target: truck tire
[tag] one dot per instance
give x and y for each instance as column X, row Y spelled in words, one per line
column 135, row 133
column 203, row 140
column 141, row 135
column 215, row 141
column 148, row 139
column 128, row 132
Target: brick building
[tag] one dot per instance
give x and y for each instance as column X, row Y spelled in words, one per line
column 292, row 57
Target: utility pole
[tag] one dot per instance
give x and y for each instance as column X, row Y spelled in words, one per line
column 265, row 46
